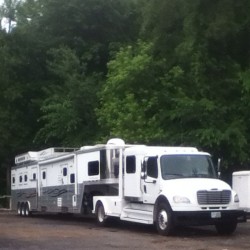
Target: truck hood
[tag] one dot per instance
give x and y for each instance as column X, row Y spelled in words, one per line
column 189, row 187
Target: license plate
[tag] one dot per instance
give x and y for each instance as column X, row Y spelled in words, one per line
column 215, row 215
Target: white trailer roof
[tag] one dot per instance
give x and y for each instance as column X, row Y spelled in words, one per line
column 151, row 150
column 42, row 155
column 241, row 173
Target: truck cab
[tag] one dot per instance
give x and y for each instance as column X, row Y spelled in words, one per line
column 169, row 186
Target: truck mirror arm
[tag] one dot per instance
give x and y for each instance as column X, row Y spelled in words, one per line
column 219, row 167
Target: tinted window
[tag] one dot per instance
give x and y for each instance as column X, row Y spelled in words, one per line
column 72, row 178
column 64, row 171
column 44, row 175
column 187, row 166
column 130, row 164
column 93, row 168
column 152, row 169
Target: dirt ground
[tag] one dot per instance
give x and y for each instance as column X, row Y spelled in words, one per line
column 72, row 232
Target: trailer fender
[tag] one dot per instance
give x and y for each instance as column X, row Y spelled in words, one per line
column 100, row 199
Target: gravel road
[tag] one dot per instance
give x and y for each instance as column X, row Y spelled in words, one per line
column 71, row 232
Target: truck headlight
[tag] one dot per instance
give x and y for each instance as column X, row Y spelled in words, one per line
column 236, row 198
column 181, row 199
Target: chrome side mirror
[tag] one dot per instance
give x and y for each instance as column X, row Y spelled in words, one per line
column 219, row 167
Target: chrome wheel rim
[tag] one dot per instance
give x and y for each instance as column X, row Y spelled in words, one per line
column 163, row 219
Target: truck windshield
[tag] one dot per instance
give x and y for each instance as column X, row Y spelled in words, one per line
column 187, row 166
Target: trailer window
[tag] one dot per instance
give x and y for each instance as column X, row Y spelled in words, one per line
column 44, row 175
column 72, row 178
column 93, row 168
column 34, row 176
column 65, row 172
column 130, row 164
column 25, row 178
column 13, row 180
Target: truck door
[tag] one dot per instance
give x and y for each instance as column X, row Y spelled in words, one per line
column 150, row 180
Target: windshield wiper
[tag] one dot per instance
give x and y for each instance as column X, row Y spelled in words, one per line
column 173, row 176
column 201, row 175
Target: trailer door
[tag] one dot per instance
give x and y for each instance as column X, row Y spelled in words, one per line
column 132, row 177
column 43, row 177
column 64, row 172
column 34, row 184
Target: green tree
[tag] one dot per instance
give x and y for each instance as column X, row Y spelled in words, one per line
column 129, row 96
column 89, row 30
column 68, row 110
column 194, row 76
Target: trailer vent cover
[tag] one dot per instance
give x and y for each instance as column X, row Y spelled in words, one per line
column 205, row 197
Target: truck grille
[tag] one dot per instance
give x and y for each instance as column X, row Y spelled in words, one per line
column 205, row 197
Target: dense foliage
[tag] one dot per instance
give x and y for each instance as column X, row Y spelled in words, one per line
column 149, row 71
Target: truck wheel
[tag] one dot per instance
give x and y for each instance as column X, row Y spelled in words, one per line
column 164, row 220
column 100, row 214
column 226, row 228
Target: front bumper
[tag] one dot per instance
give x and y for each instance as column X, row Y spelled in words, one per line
column 195, row 218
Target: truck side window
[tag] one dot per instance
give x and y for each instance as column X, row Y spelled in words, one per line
column 152, row 169
column 93, row 168
column 130, row 164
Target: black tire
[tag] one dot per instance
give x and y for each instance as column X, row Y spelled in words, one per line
column 226, row 228
column 22, row 209
column 27, row 210
column 164, row 219
column 101, row 218
column 19, row 209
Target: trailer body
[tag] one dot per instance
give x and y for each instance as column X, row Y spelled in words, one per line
column 241, row 184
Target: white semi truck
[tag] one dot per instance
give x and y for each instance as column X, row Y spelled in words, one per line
column 165, row 186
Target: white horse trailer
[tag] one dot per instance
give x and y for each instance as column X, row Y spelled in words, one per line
column 241, row 184
column 165, row 186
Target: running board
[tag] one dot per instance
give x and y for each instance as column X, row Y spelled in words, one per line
column 136, row 215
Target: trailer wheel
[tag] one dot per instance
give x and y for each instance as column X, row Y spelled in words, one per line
column 100, row 214
column 226, row 228
column 19, row 209
column 27, row 210
column 164, row 220
column 22, row 209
